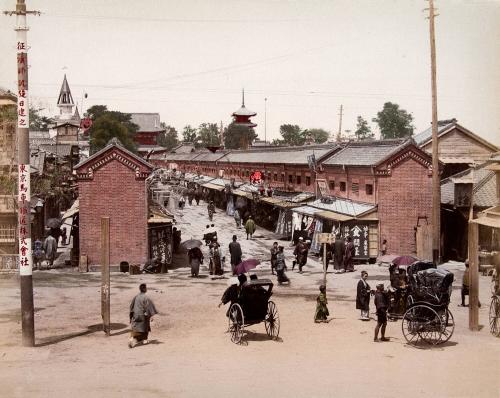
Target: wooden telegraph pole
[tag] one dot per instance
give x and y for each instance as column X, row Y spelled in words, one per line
column 23, row 186
column 105, row 279
column 436, row 187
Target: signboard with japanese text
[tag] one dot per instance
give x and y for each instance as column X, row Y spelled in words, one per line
column 326, row 238
column 256, row 177
column 359, row 232
column 24, row 195
column 23, row 119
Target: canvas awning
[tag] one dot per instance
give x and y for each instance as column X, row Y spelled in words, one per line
column 278, row 202
column 331, row 215
column 239, row 192
column 212, row 186
column 75, row 208
column 306, row 210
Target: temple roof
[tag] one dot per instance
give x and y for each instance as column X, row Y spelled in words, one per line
column 243, row 111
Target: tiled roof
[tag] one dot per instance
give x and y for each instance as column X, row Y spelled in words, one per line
column 210, row 157
column 366, row 153
column 185, row 147
column 172, row 157
column 61, row 150
column 147, row 122
column 426, row 135
column 484, row 186
column 270, row 155
column 344, row 206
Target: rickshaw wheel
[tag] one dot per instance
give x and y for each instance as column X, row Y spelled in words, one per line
column 410, row 326
column 272, row 320
column 431, row 329
column 448, row 325
column 494, row 315
column 236, row 323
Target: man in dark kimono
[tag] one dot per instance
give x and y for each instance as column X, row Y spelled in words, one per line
column 349, row 255
column 142, row 309
column 363, row 297
column 338, row 254
column 274, row 253
column 235, row 252
column 301, row 251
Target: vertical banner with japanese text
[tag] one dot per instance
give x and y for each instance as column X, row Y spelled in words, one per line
column 24, row 195
column 22, row 81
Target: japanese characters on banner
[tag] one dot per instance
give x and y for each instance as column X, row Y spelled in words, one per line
column 359, row 235
column 24, row 195
column 22, row 83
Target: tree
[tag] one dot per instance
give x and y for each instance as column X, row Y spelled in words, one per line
column 37, row 122
column 169, row 138
column 189, row 134
column 363, row 131
column 292, row 135
column 108, row 124
column 237, row 136
column 319, row 135
column 394, row 122
column 208, row 135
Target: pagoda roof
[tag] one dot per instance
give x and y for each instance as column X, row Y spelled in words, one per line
column 243, row 111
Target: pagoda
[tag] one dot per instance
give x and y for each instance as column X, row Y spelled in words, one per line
column 242, row 116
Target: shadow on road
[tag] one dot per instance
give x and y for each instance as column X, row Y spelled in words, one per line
column 90, row 329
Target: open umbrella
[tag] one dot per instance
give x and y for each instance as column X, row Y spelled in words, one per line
column 53, row 223
column 246, row 265
column 387, row 258
column 404, row 260
column 191, row 243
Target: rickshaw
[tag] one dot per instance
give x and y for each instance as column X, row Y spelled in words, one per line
column 398, row 292
column 427, row 317
column 253, row 306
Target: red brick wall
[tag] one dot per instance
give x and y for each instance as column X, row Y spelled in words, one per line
column 125, row 204
column 403, row 197
column 360, row 175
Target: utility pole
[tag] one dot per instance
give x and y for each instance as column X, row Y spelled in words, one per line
column 265, row 120
column 23, row 187
column 339, row 133
column 436, row 188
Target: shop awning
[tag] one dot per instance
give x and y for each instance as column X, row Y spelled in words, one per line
column 239, row 192
column 331, row 215
column 212, row 186
column 306, row 210
column 278, row 202
column 75, row 208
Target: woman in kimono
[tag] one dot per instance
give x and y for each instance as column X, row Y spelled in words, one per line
column 322, row 312
column 363, row 297
column 195, row 259
column 281, row 266
column 215, row 258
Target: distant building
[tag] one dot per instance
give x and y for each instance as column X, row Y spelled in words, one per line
column 241, row 117
column 146, row 136
column 67, row 123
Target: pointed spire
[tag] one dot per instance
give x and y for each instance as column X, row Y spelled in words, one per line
column 65, row 97
column 243, row 98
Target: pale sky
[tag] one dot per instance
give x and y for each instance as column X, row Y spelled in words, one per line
column 189, row 60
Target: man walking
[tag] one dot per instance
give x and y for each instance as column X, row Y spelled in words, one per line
column 250, row 227
column 142, row 309
column 235, row 252
column 50, row 248
column 301, row 251
column 338, row 254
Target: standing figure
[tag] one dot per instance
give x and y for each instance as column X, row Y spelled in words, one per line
column 349, row 255
column 301, row 251
column 197, row 196
column 182, row 202
column 338, row 254
column 50, row 248
column 363, row 297
column 235, row 252
column 322, row 312
column 142, row 309
column 383, row 249
column 38, row 253
column 190, row 196
column 281, row 266
column 195, row 259
column 215, row 258
column 237, row 218
column 63, row 236
column 250, row 227
column 465, row 284
column 381, row 304
column 274, row 253
column 211, row 210
column 176, row 237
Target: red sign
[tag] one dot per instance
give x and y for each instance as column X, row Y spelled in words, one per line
column 256, row 177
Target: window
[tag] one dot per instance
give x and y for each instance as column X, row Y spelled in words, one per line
column 299, row 180
column 7, row 233
column 342, row 186
column 369, row 189
column 355, row 188
column 282, row 179
column 290, row 178
column 308, row 180
column 275, row 176
column 332, row 185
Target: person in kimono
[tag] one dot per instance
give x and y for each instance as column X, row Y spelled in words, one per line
column 321, row 314
column 38, row 253
column 215, row 258
column 50, row 248
column 338, row 254
column 237, row 218
column 250, row 227
column 195, row 259
column 301, row 251
column 363, row 297
column 349, row 255
column 232, row 293
column 281, row 266
column 142, row 309
column 235, row 252
column 274, row 253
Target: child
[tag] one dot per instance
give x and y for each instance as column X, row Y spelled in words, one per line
column 322, row 313
column 381, row 301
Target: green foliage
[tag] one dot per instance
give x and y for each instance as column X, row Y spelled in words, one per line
column 169, row 139
column 394, row 122
column 237, row 136
column 292, row 134
column 319, row 135
column 108, row 124
column 363, row 131
column 189, row 134
column 54, row 185
column 37, row 122
column 208, row 135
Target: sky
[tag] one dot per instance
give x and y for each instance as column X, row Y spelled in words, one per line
column 189, row 60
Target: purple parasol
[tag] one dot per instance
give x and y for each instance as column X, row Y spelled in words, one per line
column 404, row 260
column 246, row 265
